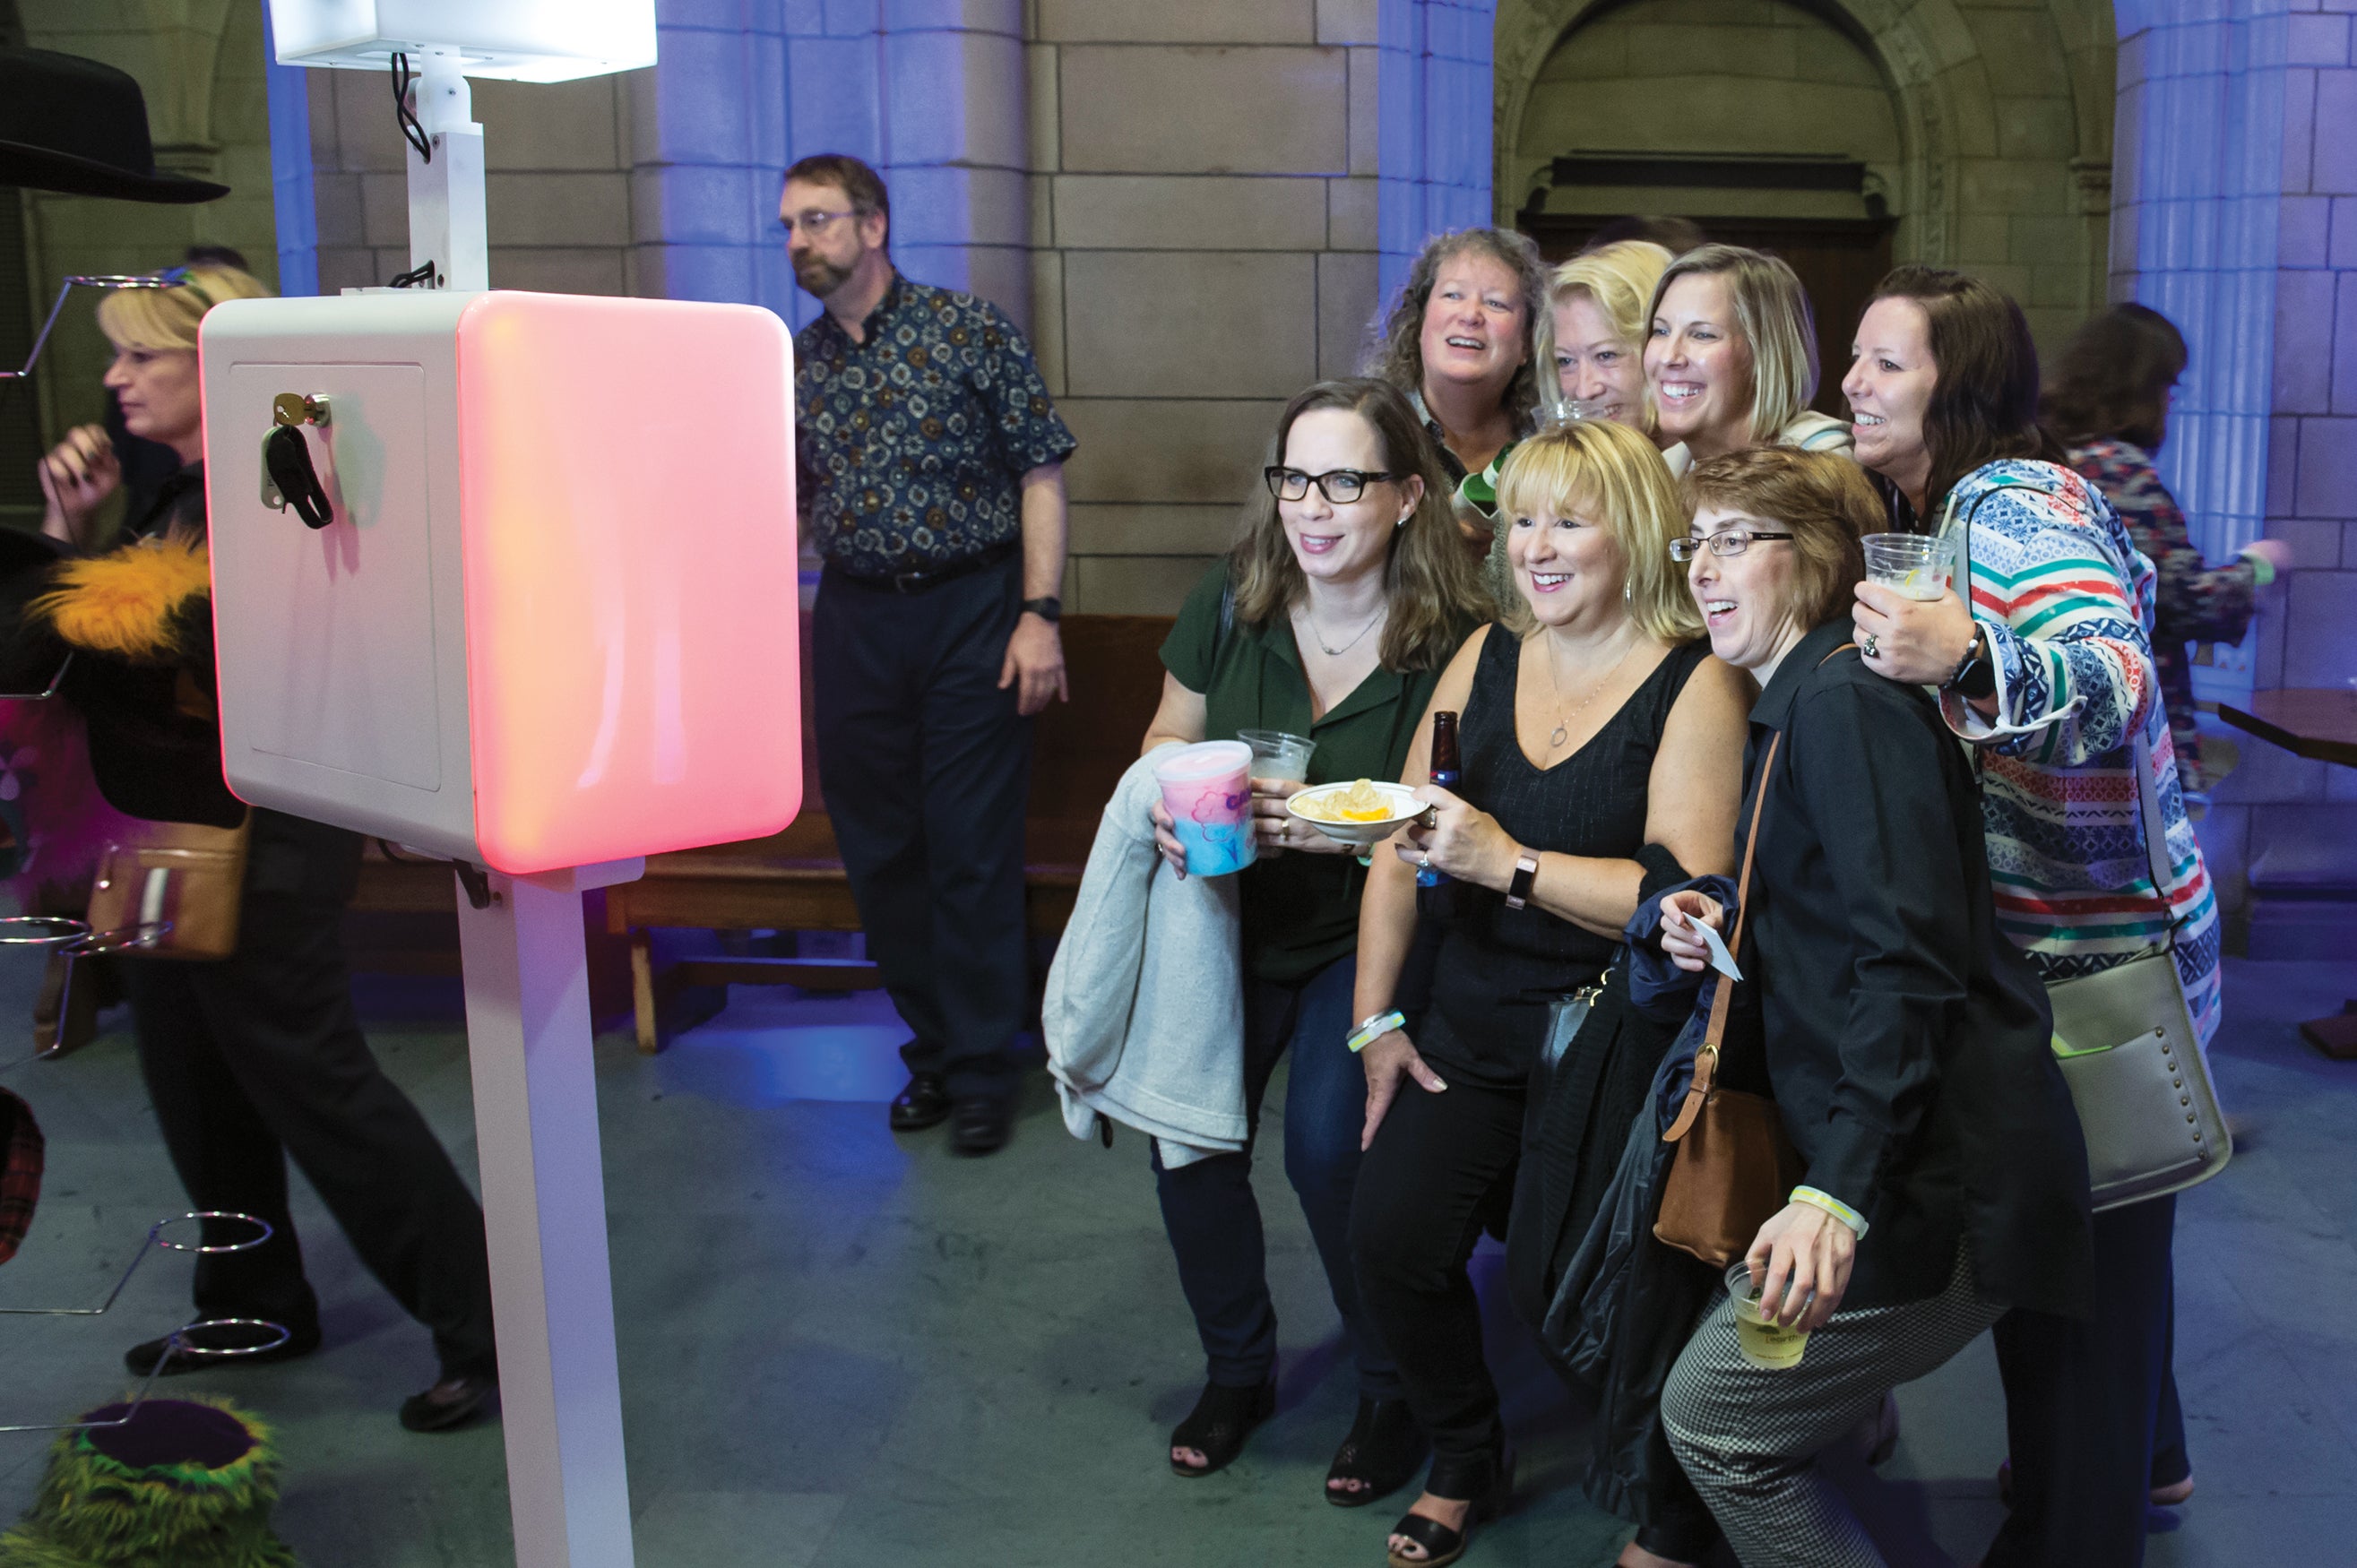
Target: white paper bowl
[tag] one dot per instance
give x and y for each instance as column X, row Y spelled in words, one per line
column 1404, row 807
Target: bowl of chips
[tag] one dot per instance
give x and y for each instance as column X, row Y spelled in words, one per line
column 1362, row 812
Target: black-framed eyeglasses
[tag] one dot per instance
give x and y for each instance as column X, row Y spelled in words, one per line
column 1730, row 542
column 1339, row 485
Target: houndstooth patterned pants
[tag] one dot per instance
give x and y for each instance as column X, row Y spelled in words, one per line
column 1748, row 1436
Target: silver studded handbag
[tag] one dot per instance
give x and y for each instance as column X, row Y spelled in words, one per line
column 2125, row 1041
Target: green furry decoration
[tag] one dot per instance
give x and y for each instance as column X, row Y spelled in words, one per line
column 185, row 1484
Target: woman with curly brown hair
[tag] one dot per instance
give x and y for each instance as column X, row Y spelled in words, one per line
column 1467, row 340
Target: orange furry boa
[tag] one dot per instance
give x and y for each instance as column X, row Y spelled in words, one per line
column 128, row 602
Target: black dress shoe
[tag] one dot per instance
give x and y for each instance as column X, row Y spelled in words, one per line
column 924, row 1103
column 141, row 1359
column 453, row 1402
column 980, row 1125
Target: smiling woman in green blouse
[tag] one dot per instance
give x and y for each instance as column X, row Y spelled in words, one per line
column 1332, row 618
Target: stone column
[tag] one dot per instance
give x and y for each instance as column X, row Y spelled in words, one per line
column 1434, row 94
column 931, row 93
column 2235, row 213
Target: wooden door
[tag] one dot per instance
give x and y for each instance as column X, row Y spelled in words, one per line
column 1839, row 260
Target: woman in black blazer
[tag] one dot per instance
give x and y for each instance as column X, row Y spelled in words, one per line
column 1904, row 1040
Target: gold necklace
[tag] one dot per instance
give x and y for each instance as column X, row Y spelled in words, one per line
column 1319, row 638
column 1562, row 732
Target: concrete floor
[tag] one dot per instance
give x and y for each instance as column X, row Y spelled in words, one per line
column 843, row 1351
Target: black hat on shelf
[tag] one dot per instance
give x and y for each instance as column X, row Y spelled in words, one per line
column 79, row 126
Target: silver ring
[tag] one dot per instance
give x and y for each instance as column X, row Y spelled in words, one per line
column 1869, row 646
column 1423, row 857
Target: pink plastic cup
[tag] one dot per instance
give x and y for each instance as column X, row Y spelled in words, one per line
column 1206, row 789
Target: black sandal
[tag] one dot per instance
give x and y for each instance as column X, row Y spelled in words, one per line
column 1487, row 1481
column 1219, row 1424
column 1380, row 1454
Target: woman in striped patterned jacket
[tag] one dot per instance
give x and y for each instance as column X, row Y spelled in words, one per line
column 2049, row 674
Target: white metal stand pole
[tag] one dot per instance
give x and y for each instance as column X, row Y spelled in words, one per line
column 447, row 225
column 544, row 1216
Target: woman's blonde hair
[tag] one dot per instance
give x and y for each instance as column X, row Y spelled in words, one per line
column 1610, row 476
column 1434, row 592
column 165, row 318
column 1771, row 312
column 1825, row 499
column 1620, row 278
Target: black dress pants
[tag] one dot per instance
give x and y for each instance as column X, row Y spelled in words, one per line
column 260, row 1056
column 2091, row 1408
column 1440, row 1170
column 926, row 767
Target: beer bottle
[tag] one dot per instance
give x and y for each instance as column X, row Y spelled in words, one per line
column 1438, row 894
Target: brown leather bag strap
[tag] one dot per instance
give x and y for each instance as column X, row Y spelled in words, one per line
column 1706, row 1069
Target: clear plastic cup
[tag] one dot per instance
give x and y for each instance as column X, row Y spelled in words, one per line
column 1763, row 1343
column 1915, row 564
column 1206, row 789
column 1276, row 755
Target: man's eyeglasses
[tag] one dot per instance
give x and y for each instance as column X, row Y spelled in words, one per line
column 1339, row 485
column 1731, row 542
column 813, row 222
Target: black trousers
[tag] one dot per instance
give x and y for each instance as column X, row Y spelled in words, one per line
column 1440, row 1170
column 260, row 1056
column 2091, row 1408
column 926, row 767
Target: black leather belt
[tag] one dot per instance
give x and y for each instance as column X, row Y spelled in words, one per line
column 931, row 576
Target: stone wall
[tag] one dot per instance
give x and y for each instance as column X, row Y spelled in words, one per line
column 1203, row 228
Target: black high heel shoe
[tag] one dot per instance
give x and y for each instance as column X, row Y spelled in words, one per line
column 1219, row 1424
column 1380, row 1454
column 1487, row 1481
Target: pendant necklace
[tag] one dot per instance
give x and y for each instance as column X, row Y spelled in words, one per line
column 1319, row 639
column 1562, row 732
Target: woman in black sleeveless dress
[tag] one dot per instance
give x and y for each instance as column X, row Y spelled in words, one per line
column 1593, row 726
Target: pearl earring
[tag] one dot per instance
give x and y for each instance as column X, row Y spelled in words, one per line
column 1628, row 591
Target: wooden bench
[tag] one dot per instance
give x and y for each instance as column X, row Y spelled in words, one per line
column 794, row 881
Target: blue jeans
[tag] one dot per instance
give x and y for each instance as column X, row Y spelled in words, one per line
column 1213, row 1218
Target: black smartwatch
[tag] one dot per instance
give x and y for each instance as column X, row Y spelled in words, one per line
column 1050, row 610
column 1977, row 676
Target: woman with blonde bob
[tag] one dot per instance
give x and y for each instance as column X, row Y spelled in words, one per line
column 1600, row 745
column 257, row 1058
column 154, row 377
column 1332, row 618
column 1732, row 359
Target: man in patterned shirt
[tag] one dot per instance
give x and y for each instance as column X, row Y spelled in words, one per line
column 931, row 478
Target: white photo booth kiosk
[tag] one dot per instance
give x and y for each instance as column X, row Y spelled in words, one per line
column 510, row 579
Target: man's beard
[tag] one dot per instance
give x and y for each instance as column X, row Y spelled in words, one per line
column 818, row 275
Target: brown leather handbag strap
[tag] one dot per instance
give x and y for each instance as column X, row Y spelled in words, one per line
column 1705, row 1068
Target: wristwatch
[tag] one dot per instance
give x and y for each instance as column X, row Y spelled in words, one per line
column 1050, row 610
column 1975, row 677
column 1526, row 872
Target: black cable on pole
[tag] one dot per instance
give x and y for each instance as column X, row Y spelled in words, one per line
column 410, row 129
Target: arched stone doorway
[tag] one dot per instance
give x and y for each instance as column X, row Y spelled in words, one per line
column 1982, row 133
